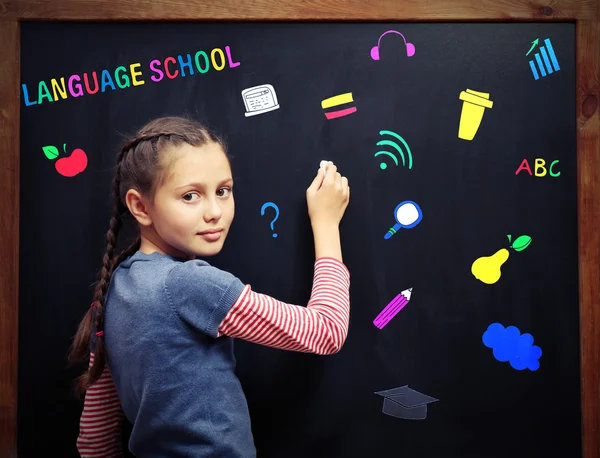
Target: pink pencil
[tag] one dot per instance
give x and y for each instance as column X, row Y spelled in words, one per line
column 390, row 310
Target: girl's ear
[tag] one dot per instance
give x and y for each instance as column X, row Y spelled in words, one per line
column 137, row 207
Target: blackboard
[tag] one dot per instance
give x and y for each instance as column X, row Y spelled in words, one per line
column 476, row 196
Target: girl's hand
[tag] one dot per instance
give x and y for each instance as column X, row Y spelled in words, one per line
column 327, row 198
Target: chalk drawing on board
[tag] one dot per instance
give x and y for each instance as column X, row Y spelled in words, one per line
column 545, row 59
column 392, row 309
column 407, row 214
column 539, row 168
column 260, row 99
column 406, row 403
column 508, row 344
column 488, row 269
column 534, row 43
column 473, row 107
column 262, row 212
column 410, row 48
column 68, row 166
column 394, row 144
column 337, row 100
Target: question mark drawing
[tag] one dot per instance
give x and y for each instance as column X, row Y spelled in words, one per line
column 262, row 212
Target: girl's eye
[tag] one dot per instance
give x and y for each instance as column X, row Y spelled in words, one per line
column 189, row 197
column 223, row 192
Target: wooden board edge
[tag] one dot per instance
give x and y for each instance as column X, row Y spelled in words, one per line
column 588, row 203
column 293, row 10
column 9, row 233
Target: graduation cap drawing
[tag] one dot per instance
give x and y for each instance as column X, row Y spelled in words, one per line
column 404, row 402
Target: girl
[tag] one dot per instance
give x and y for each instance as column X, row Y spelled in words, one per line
column 159, row 331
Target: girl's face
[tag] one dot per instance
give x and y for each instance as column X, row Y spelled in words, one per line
column 193, row 207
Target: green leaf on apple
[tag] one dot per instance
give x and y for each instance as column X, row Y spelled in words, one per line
column 50, row 151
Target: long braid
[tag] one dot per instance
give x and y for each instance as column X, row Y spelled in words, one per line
column 96, row 312
column 131, row 249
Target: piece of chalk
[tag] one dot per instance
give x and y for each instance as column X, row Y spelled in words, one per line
column 323, row 165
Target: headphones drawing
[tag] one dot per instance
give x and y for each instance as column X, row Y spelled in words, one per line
column 410, row 48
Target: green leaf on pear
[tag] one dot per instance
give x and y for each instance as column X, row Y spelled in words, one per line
column 509, row 238
column 50, row 151
column 521, row 243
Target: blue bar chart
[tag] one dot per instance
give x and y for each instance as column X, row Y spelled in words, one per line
column 545, row 60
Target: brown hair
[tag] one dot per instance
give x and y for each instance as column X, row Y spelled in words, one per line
column 142, row 163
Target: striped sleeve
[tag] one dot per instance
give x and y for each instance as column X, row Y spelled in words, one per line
column 101, row 420
column 321, row 327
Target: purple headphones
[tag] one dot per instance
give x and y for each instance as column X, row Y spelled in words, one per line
column 410, row 48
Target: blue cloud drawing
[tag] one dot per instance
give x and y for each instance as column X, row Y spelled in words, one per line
column 509, row 345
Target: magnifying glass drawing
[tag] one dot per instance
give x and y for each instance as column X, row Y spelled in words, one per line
column 408, row 214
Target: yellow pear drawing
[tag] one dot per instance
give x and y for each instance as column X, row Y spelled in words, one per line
column 487, row 268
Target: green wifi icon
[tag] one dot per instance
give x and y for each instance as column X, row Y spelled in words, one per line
column 394, row 144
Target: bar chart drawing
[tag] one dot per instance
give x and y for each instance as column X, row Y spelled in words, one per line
column 546, row 60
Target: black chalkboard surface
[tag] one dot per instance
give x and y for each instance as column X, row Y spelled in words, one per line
column 464, row 332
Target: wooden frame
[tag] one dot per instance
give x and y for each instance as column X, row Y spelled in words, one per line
column 585, row 13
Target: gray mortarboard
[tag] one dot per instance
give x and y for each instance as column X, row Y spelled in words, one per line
column 404, row 402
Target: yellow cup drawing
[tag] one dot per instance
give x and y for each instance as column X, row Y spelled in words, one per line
column 474, row 104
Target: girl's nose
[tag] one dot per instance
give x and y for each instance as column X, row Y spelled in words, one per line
column 212, row 210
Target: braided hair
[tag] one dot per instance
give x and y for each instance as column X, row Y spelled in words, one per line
column 142, row 163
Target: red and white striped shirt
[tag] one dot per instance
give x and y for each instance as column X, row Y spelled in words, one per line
column 321, row 328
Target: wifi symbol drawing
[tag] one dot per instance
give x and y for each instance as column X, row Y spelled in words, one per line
column 396, row 146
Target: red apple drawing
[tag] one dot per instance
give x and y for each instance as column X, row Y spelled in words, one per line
column 73, row 164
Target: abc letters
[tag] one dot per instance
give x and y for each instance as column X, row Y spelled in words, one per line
column 539, row 168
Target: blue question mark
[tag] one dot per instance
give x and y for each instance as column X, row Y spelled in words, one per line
column 262, row 212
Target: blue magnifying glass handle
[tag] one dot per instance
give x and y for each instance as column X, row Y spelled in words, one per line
column 392, row 231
